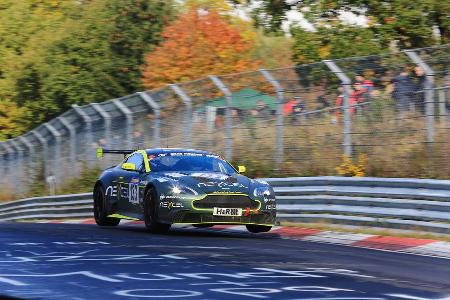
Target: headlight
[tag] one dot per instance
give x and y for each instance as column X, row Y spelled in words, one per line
column 177, row 190
column 263, row 192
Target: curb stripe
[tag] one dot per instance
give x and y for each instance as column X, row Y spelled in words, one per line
column 391, row 243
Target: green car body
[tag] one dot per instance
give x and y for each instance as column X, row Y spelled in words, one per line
column 180, row 186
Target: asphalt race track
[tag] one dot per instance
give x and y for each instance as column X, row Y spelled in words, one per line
column 73, row 261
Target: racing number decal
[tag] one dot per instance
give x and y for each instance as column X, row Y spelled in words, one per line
column 129, row 191
column 133, row 192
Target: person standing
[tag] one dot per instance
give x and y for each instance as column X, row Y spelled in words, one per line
column 403, row 91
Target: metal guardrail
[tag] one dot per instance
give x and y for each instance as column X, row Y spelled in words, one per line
column 420, row 204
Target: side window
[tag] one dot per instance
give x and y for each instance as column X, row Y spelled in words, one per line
column 136, row 159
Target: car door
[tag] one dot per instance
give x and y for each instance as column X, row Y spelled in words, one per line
column 130, row 184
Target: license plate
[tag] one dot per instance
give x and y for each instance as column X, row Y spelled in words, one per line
column 231, row 212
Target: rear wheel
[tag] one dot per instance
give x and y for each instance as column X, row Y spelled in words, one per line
column 150, row 214
column 258, row 228
column 100, row 210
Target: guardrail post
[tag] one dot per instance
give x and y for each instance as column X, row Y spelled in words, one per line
column 18, row 170
column 442, row 106
column 6, row 157
column 87, row 131
column 15, row 172
column 279, row 149
column 73, row 144
column 157, row 114
column 129, row 116
column 346, row 84
column 187, row 126
column 57, row 158
column 228, row 122
column 107, row 121
column 30, row 148
column 429, row 92
column 43, row 143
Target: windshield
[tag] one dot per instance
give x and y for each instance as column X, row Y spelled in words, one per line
column 189, row 162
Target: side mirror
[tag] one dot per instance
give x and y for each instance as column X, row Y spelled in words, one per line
column 129, row 166
column 242, row 169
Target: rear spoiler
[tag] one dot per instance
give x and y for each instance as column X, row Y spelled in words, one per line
column 101, row 151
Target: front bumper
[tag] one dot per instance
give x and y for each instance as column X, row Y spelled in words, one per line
column 195, row 217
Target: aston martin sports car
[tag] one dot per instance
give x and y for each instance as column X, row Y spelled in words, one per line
column 180, row 186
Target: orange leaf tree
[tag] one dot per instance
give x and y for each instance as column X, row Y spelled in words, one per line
column 198, row 43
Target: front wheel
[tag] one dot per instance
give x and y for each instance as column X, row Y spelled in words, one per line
column 150, row 214
column 100, row 210
column 258, row 228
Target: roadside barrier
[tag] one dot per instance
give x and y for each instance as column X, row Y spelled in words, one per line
column 419, row 204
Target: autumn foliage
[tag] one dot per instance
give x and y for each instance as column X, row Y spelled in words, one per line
column 197, row 44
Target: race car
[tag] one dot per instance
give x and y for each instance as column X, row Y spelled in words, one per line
column 181, row 186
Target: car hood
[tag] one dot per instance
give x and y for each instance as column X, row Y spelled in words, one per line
column 210, row 182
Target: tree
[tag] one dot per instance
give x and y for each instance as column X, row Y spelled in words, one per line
column 410, row 23
column 333, row 42
column 198, row 43
column 88, row 51
column 13, row 120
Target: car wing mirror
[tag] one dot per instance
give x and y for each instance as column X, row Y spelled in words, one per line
column 242, row 169
column 129, row 166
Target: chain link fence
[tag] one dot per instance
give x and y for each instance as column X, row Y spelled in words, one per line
column 389, row 113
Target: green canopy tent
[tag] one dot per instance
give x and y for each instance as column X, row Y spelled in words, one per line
column 244, row 99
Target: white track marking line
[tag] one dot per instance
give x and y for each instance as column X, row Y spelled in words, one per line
column 337, row 237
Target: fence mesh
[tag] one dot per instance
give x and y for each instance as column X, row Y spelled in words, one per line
column 388, row 113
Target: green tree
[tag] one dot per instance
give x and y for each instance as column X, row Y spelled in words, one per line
column 89, row 55
column 334, row 42
column 13, row 120
column 411, row 23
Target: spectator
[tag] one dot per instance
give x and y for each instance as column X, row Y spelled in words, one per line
column 322, row 104
column 419, row 90
column 262, row 111
column 288, row 106
column 366, row 84
column 403, row 91
column 359, row 96
column 294, row 108
column 340, row 102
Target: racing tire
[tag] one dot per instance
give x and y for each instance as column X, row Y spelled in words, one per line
column 151, row 214
column 100, row 211
column 202, row 225
column 258, row 228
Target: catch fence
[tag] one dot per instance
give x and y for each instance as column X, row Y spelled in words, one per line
column 390, row 113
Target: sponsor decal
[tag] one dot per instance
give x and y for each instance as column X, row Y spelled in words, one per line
column 262, row 181
column 266, row 199
column 271, row 206
column 162, row 179
column 222, row 185
column 218, row 176
column 236, row 212
column 249, row 211
column 170, row 204
column 177, row 197
column 123, row 191
column 174, row 175
column 111, row 191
